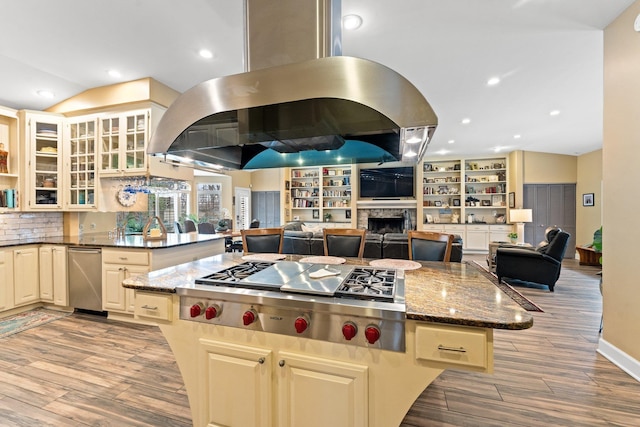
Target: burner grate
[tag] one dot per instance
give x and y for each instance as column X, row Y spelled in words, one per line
column 230, row 275
column 369, row 283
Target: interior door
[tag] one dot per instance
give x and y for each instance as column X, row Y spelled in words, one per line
column 243, row 208
column 553, row 205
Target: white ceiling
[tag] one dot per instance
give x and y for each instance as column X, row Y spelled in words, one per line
column 548, row 54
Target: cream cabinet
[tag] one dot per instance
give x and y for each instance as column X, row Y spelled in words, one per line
column 6, row 280
column 42, row 146
column 117, row 265
column 287, row 389
column 9, row 160
column 123, row 143
column 467, row 348
column 80, row 163
column 26, row 277
column 53, row 274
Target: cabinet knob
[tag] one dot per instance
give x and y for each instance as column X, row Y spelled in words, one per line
column 261, row 360
column 281, row 363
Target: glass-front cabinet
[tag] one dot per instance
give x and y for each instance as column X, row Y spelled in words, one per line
column 81, row 164
column 123, row 143
column 44, row 150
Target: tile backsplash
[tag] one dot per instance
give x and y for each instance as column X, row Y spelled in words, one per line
column 30, row 225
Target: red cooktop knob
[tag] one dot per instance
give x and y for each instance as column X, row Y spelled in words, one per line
column 196, row 309
column 349, row 330
column 212, row 312
column 249, row 317
column 372, row 334
column 301, row 324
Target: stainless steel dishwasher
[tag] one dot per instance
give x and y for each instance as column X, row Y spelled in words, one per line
column 85, row 278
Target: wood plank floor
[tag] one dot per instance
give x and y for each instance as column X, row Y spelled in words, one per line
column 89, row 371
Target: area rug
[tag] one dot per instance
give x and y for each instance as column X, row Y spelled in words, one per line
column 27, row 320
column 523, row 301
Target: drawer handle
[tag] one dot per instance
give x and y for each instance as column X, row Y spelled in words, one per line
column 455, row 349
column 123, row 258
column 148, row 307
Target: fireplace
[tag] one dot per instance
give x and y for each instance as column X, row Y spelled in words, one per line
column 385, row 225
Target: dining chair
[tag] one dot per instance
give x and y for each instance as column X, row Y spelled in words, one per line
column 189, row 226
column 430, row 246
column 206, row 228
column 177, row 228
column 348, row 242
column 262, row 240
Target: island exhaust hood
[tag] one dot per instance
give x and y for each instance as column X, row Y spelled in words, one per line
column 300, row 103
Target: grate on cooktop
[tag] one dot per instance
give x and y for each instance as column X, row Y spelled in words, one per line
column 369, row 283
column 235, row 273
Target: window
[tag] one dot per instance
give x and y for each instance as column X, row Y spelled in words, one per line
column 210, row 202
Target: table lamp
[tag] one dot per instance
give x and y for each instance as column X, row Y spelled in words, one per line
column 520, row 216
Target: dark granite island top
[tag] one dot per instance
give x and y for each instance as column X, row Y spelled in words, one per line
column 130, row 241
column 451, row 293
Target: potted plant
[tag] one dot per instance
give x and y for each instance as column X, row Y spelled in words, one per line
column 327, row 217
column 513, row 237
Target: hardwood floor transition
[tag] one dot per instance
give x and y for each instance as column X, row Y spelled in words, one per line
column 85, row 370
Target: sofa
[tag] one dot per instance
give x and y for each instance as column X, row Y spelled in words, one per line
column 299, row 241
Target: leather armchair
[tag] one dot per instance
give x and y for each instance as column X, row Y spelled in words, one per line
column 541, row 265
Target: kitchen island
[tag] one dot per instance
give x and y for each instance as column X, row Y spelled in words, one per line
column 244, row 377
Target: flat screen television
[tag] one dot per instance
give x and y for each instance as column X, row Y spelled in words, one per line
column 387, row 182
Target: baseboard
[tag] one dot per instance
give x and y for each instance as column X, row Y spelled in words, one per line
column 619, row 358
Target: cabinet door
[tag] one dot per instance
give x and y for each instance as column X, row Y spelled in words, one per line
column 314, row 392
column 113, row 295
column 6, row 281
column 235, row 385
column 60, row 279
column 46, row 273
column 123, row 143
column 45, row 180
column 80, row 162
column 26, row 276
column 477, row 238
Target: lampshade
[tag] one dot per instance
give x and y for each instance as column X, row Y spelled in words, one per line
column 521, row 215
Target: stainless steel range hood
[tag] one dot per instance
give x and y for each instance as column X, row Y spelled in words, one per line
column 323, row 110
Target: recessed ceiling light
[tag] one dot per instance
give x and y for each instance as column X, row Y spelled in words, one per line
column 451, row 141
column 493, row 81
column 45, row 93
column 466, row 121
column 205, row 53
column 497, row 149
column 554, row 112
column 351, row 22
column 517, row 136
column 115, row 74
column 442, row 152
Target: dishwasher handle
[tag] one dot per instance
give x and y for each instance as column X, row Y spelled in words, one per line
column 85, row 250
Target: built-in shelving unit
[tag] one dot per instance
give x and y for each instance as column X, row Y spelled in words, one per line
column 461, row 191
column 320, row 194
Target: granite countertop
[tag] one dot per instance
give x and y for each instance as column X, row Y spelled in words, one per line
column 130, row 241
column 453, row 293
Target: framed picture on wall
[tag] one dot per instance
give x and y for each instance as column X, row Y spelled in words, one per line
column 316, row 214
column 588, row 199
column 512, row 200
column 347, row 214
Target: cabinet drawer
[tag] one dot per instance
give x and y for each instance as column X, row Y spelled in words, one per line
column 455, row 229
column 453, row 345
column 432, row 227
column 153, row 306
column 477, row 228
column 500, row 227
column 128, row 258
